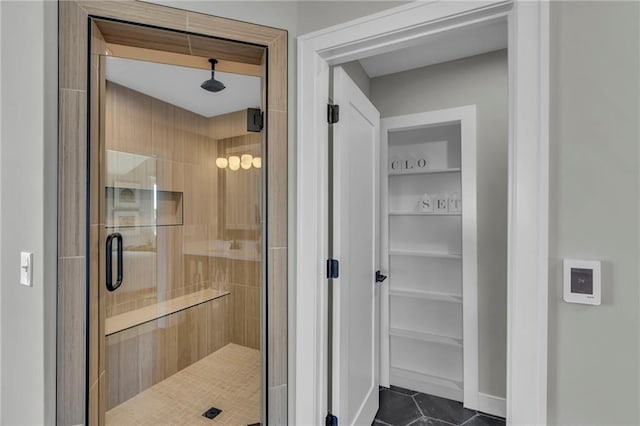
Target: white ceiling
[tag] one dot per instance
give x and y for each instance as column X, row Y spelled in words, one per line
column 442, row 48
column 180, row 86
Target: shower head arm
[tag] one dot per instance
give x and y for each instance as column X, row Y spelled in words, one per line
column 213, row 63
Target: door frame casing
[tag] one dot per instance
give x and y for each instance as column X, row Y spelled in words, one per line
column 78, row 222
column 527, row 270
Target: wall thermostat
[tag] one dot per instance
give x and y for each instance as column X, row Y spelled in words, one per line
column 582, row 281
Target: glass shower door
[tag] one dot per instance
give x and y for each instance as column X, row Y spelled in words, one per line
column 184, row 274
column 133, row 290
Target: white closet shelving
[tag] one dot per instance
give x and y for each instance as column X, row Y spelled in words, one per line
column 424, row 300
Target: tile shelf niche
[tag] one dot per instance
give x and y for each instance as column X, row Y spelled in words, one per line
column 135, row 207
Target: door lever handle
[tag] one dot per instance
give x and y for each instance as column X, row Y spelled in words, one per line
column 380, row 277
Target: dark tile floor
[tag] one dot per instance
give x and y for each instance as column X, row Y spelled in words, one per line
column 403, row 407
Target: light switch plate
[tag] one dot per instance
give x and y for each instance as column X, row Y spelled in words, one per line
column 26, row 268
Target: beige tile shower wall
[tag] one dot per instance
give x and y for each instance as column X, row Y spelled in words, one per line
column 139, row 357
column 183, row 151
column 242, row 278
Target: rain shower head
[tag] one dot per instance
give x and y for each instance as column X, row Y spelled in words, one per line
column 213, row 85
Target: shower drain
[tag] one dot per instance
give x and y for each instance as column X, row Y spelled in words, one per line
column 211, row 413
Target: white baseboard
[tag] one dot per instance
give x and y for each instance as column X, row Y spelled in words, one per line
column 426, row 384
column 489, row 404
column 492, row 405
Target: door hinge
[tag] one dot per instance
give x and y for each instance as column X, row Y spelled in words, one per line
column 255, row 120
column 379, row 277
column 331, row 420
column 333, row 113
column 333, row 268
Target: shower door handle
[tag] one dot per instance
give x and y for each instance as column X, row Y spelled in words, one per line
column 110, row 285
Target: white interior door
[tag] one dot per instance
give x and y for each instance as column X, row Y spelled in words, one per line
column 354, row 398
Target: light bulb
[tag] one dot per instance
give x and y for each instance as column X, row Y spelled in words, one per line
column 245, row 161
column 222, row 163
column 234, row 162
column 257, row 162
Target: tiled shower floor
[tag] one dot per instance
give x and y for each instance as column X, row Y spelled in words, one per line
column 228, row 379
column 403, row 407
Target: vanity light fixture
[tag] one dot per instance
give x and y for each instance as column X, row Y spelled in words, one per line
column 222, row 162
column 246, row 161
column 234, row 162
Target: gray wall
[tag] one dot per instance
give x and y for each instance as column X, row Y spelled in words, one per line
column 595, row 140
column 359, row 76
column 28, row 189
column 482, row 81
column 315, row 15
